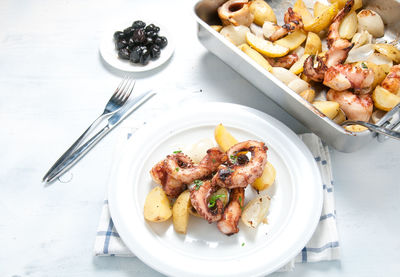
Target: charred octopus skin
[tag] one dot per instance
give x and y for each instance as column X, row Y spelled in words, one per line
column 171, row 186
column 230, row 218
column 188, row 172
column 242, row 172
column 236, row 12
column 338, row 49
column 292, row 21
column 199, row 197
column 177, row 170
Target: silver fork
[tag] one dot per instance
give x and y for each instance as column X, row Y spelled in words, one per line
column 116, row 102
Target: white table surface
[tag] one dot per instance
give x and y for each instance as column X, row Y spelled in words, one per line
column 53, row 83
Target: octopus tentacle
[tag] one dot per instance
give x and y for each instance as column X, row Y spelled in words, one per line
column 171, row 186
column 230, row 218
column 292, row 21
column 285, row 62
column 187, row 173
column 200, row 196
column 356, row 107
column 240, row 175
column 338, row 48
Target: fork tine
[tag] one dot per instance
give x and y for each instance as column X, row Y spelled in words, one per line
column 128, row 92
column 120, row 88
column 120, row 97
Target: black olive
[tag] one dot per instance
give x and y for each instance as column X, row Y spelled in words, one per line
column 155, row 51
column 150, row 27
column 118, row 35
column 148, row 42
column 128, row 31
column 151, row 34
column 138, row 24
column 124, row 53
column 145, row 57
column 161, row 41
column 139, row 36
column 136, row 54
column 132, row 43
column 242, row 159
column 156, row 29
column 121, row 44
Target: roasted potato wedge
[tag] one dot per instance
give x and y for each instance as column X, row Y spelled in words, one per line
column 340, row 117
column 298, row 66
column 262, row 12
column 255, row 211
column 357, row 4
column 180, row 212
column 329, row 108
column 301, row 8
column 156, row 206
column 266, row 179
column 224, row 139
column 319, row 8
column 308, row 94
column 266, row 47
column 322, row 21
column 313, row 44
column 293, row 40
column 389, row 51
column 384, row 99
column 355, row 128
column 257, row 57
column 348, row 26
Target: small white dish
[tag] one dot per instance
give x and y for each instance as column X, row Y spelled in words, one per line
column 110, row 54
column 204, row 251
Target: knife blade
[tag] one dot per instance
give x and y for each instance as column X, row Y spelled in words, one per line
column 113, row 121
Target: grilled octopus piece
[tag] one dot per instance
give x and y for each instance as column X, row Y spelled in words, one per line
column 337, row 53
column 200, row 196
column 236, row 12
column 187, row 173
column 240, row 174
column 177, row 170
column 356, row 107
column 292, row 21
column 286, row 61
column 230, row 218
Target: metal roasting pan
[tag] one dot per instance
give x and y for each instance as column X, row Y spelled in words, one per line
column 206, row 14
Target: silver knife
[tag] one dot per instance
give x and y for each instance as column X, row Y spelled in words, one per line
column 113, row 121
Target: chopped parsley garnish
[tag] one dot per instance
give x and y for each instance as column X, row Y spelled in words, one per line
column 243, row 243
column 363, row 65
column 240, row 202
column 197, row 184
column 233, row 158
column 214, row 161
column 214, row 198
column 177, row 151
column 176, row 169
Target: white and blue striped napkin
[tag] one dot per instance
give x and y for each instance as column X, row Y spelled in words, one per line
column 323, row 246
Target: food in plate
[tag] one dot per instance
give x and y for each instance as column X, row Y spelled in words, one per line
column 334, row 54
column 214, row 187
column 139, row 43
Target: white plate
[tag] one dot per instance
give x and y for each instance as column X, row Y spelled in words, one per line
column 110, row 54
column 293, row 216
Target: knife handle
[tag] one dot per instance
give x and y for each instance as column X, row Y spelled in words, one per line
column 78, row 154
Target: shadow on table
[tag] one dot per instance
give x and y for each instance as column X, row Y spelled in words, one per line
column 137, row 75
column 130, row 265
column 327, row 268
